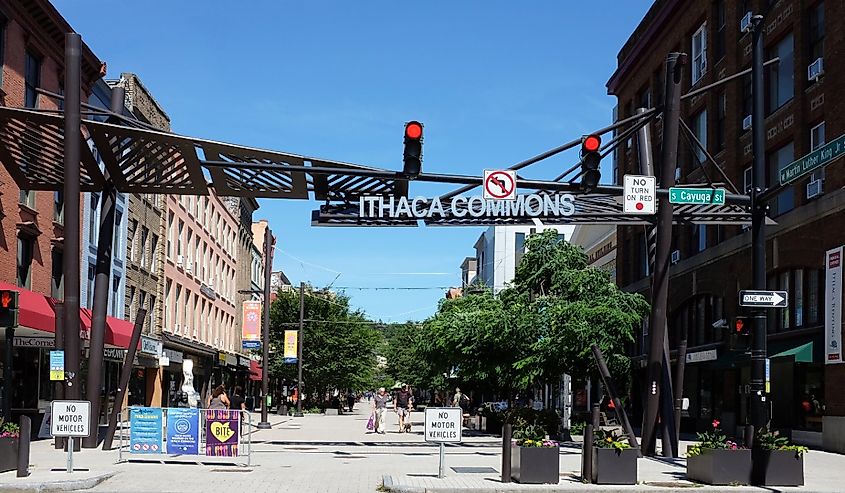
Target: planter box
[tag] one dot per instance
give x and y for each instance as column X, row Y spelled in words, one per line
column 778, row 468
column 720, row 467
column 8, row 454
column 535, row 465
column 611, row 466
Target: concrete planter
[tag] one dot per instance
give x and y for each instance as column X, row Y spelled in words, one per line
column 8, row 454
column 535, row 465
column 720, row 467
column 611, row 466
column 778, row 468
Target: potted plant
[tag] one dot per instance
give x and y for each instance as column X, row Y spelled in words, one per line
column 614, row 461
column 10, row 434
column 717, row 460
column 777, row 462
column 534, row 458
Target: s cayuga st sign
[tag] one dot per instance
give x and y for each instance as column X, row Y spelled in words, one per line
column 533, row 205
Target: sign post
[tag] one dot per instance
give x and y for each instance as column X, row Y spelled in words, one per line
column 443, row 425
column 640, row 194
column 766, row 299
column 70, row 419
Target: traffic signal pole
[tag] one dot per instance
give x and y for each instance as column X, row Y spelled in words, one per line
column 660, row 285
column 759, row 410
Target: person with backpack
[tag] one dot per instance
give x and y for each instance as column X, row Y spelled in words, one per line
column 460, row 399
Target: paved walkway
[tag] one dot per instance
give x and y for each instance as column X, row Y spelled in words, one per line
column 333, row 454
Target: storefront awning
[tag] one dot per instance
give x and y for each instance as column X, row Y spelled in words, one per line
column 802, row 353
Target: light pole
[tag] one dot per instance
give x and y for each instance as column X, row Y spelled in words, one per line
column 299, row 385
column 265, row 343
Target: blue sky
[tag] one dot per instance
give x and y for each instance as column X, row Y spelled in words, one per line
column 494, row 83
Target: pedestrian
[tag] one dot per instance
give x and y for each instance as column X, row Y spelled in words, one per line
column 459, row 399
column 350, row 400
column 237, row 400
column 402, row 407
column 380, row 401
column 218, row 398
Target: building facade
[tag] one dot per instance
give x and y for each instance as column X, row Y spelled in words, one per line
column 599, row 244
column 243, row 208
column 712, row 263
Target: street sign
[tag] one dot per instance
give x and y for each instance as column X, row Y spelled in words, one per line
column 57, row 365
column 70, row 419
column 813, row 160
column 767, row 299
column 639, row 194
column 686, row 195
column 443, row 424
column 499, row 184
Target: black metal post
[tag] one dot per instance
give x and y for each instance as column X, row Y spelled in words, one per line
column 7, row 370
column 621, row 415
column 759, row 410
column 125, row 373
column 668, row 439
column 507, row 436
column 299, row 387
column 23, row 446
column 71, row 254
column 680, row 366
column 58, row 387
column 265, row 343
column 660, row 286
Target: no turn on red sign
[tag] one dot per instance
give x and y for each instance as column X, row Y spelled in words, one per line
column 640, row 194
column 499, row 184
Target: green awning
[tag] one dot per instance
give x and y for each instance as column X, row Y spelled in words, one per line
column 802, row 354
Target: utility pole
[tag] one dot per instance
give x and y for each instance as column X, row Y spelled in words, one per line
column 71, row 255
column 299, row 386
column 759, row 411
column 265, row 350
column 660, row 286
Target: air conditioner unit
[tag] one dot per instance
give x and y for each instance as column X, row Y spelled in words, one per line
column 814, row 188
column 179, row 260
column 746, row 122
column 676, row 256
column 815, row 69
column 745, row 23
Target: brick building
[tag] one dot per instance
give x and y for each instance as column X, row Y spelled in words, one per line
column 712, row 263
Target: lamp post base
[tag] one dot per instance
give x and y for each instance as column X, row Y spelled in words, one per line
column 264, row 425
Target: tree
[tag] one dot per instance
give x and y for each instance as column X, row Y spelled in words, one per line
column 339, row 345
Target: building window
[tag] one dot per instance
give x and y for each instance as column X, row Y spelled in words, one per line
column 132, row 303
column 57, row 284
column 118, row 221
column 92, row 273
column 27, row 198
column 699, row 129
column 784, row 312
column 115, row 289
column 153, row 256
column 785, row 201
column 719, row 42
column 170, row 235
column 747, row 100
column 3, row 22
column 644, row 97
column 699, row 53
column 144, row 235
column 179, row 238
column 780, row 75
column 166, row 313
column 93, row 229
column 812, row 296
column 699, row 235
column 25, row 246
column 747, row 180
column 816, row 38
column 151, row 312
column 32, row 80
column 59, row 207
column 817, row 136
column 798, row 298
column 131, row 230
column 721, row 111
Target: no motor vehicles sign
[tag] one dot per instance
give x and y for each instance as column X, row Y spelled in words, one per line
column 70, row 419
column 443, row 424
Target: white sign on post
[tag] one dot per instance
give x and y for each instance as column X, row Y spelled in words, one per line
column 70, row 419
column 443, row 424
column 640, row 194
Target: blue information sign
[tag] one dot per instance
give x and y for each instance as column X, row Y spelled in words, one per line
column 183, row 430
column 145, row 430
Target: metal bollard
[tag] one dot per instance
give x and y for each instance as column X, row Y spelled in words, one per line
column 749, row 436
column 587, row 455
column 507, row 434
column 23, row 447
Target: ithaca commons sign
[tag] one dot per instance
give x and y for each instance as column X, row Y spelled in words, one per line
column 533, row 205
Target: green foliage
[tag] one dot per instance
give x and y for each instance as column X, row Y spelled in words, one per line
column 711, row 439
column 405, row 362
column 609, row 439
column 547, row 420
column 339, row 346
column 9, row 430
column 577, row 427
column 773, row 441
column 532, row 436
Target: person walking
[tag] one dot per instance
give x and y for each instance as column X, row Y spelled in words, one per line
column 350, row 400
column 218, row 398
column 459, row 399
column 402, row 407
column 379, row 405
column 237, row 401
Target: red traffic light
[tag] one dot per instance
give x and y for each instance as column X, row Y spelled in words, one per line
column 413, row 130
column 591, row 143
column 739, row 325
column 5, row 299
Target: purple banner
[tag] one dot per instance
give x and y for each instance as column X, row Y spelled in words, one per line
column 222, row 432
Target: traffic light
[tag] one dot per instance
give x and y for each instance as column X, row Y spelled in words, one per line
column 413, row 149
column 742, row 326
column 8, row 308
column 590, row 160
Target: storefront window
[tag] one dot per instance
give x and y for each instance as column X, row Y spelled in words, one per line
column 784, row 286
column 812, row 296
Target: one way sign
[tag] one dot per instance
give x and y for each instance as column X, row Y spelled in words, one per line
column 768, row 299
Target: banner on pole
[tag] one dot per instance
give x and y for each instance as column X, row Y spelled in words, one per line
column 251, row 327
column 145, row 430
column 833, row 306
column 291, row 339
column 222, row 432
column 183, row 431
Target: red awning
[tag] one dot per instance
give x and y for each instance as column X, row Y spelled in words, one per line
column 37, row 311
column 255, row 370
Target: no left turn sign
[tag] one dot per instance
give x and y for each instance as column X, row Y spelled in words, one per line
column 499, row 184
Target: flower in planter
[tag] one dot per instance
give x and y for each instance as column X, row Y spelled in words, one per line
column 773, row 441
column 9, row 430
column 609, row 439
column 532, row 436
column 712, row 439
